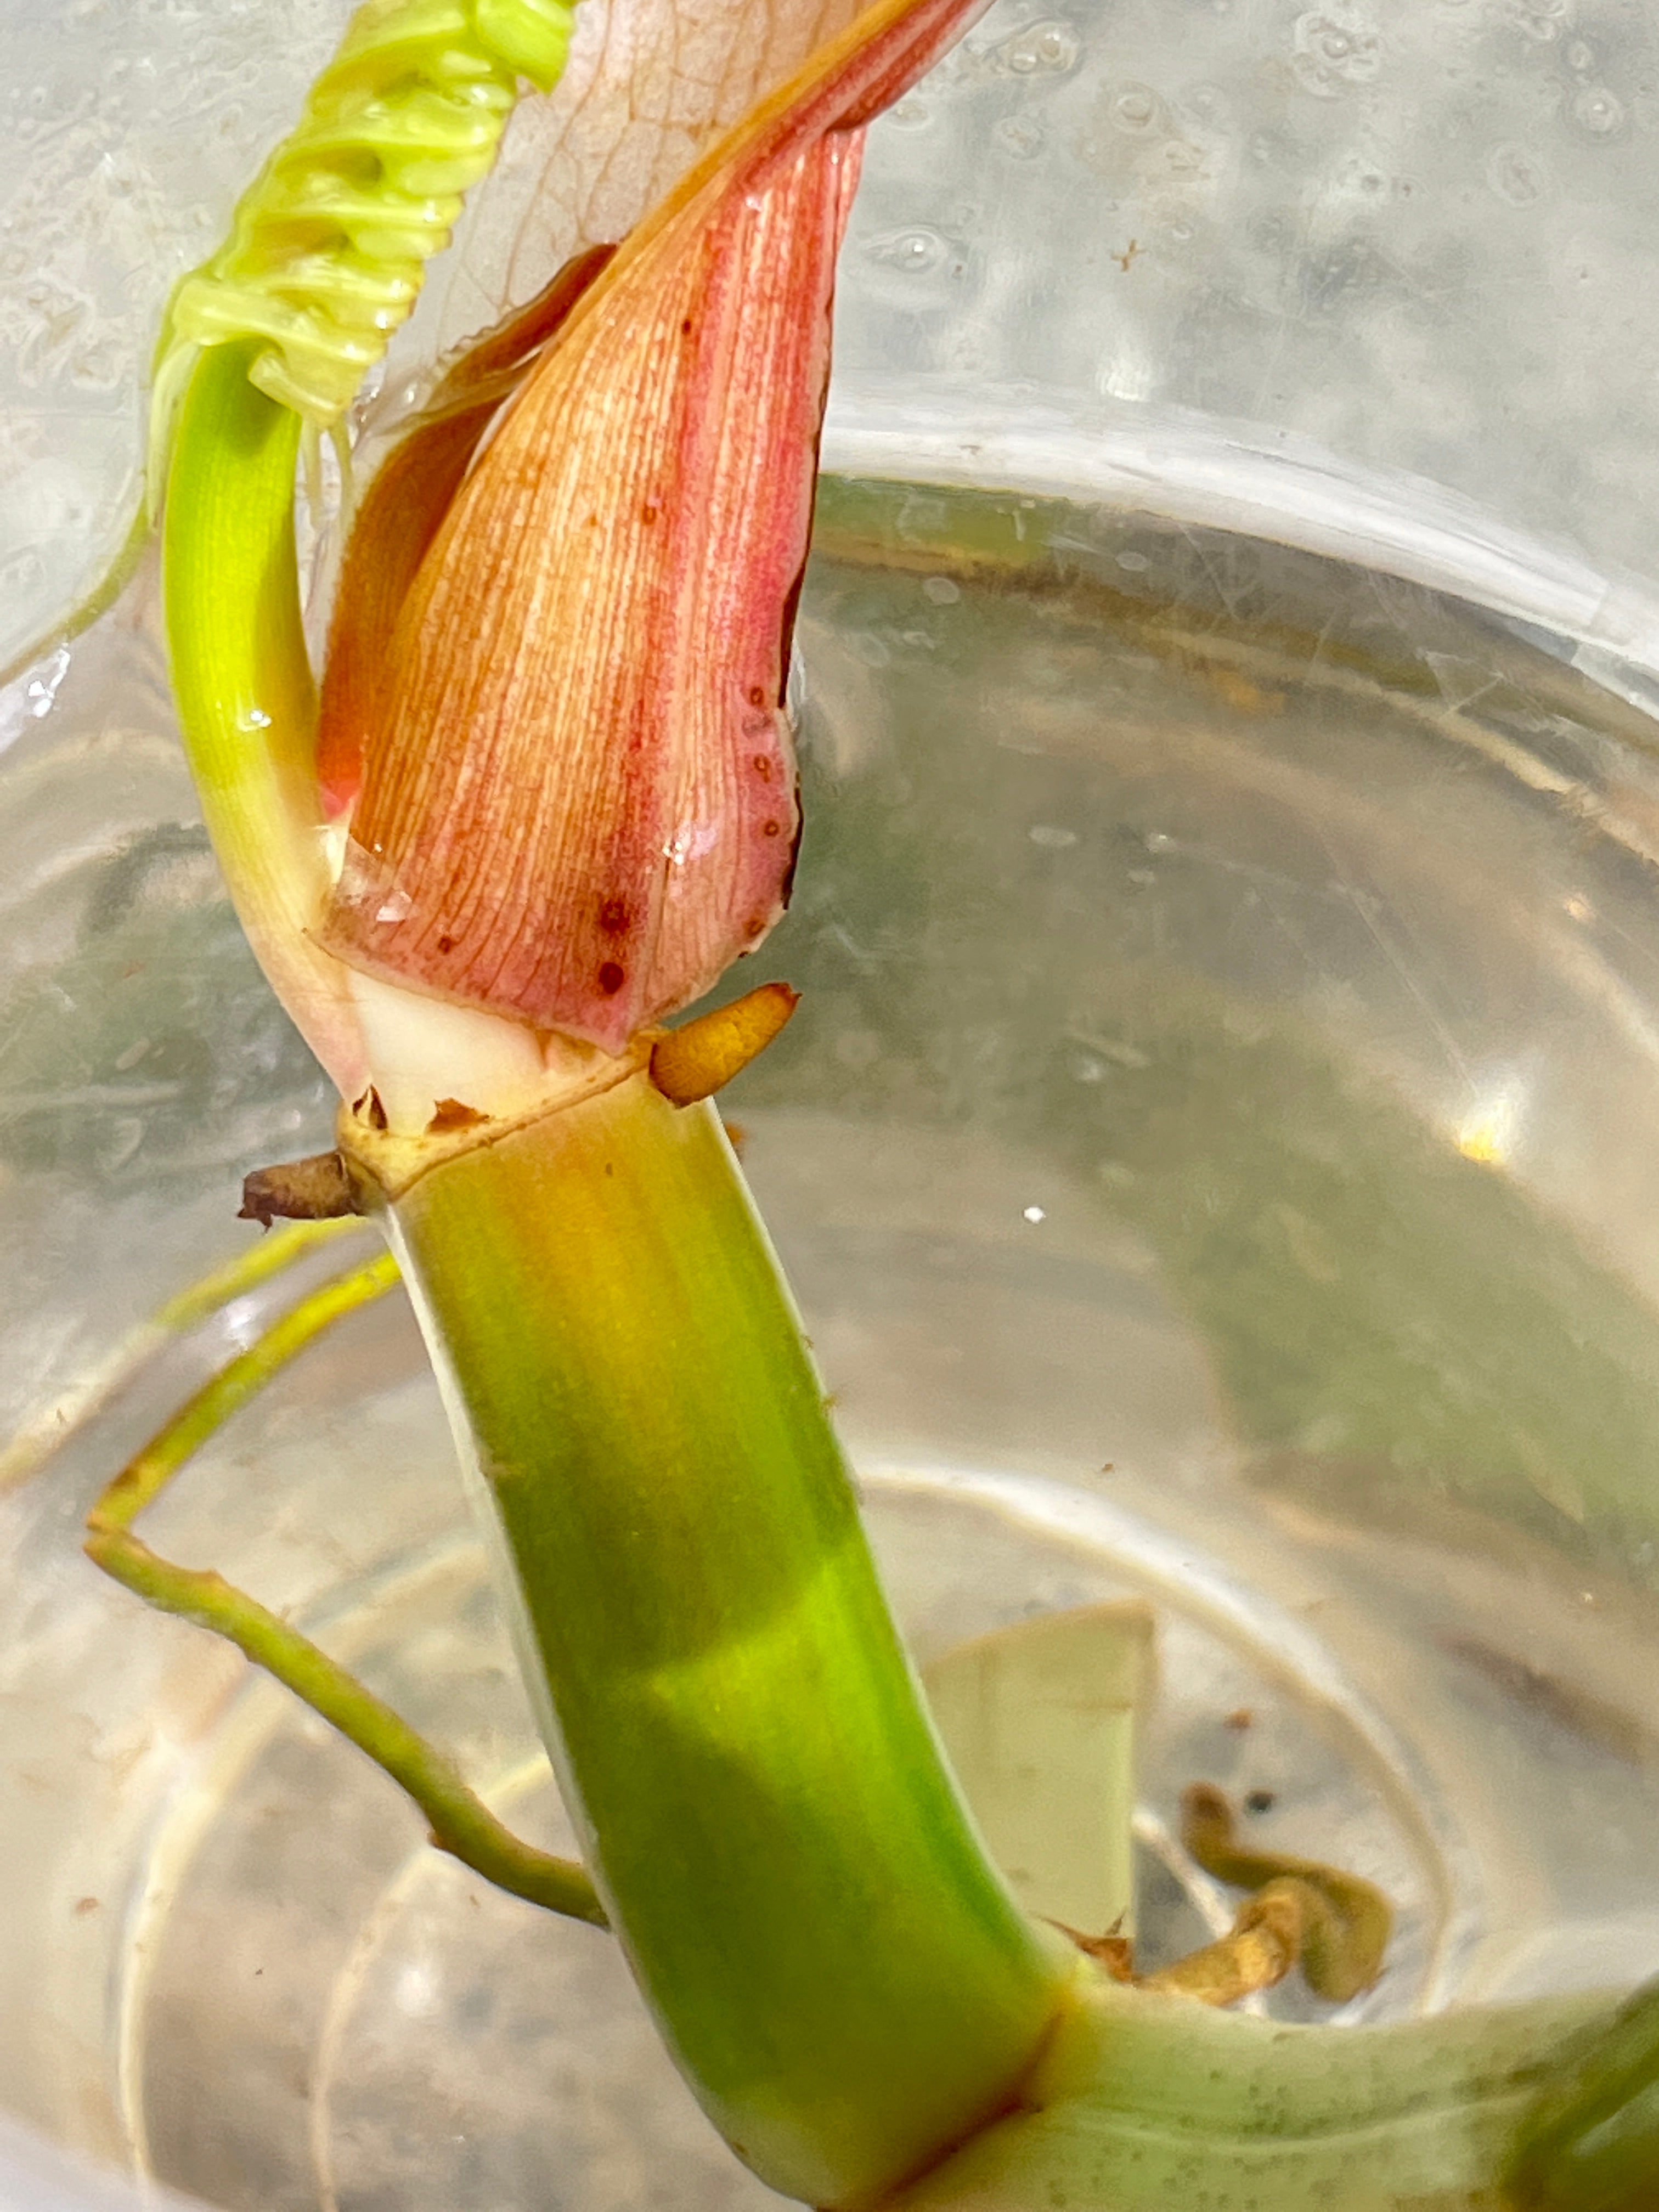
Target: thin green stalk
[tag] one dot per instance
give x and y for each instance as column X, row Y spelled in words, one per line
column 841, row 1975
column 461, row 1822
column 149, row 1471
column 290, row 1241
column 259, row 1264
column 243, row 685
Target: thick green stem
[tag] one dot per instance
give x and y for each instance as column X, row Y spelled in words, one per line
column 842, row 1976
column 1144, row 2103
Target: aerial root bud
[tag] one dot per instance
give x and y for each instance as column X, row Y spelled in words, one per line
column 695, row 1061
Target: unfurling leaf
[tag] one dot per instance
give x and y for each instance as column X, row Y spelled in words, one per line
column 577, row 798
column 401, row 516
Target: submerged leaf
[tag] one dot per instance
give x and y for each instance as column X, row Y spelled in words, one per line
column 577, row 803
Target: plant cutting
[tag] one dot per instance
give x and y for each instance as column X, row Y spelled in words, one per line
column 545, row 799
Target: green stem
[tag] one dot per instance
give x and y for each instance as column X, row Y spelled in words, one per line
column 243, row 685
column 269, row 1256
column 461, row 1822
column 1144, row 2103
column 250, row 1268
column 1593, row 2143
column 841, row 1975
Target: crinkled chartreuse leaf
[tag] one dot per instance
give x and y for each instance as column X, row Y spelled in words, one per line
column 329, row 244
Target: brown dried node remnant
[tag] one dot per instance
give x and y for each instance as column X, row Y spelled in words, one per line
column 1112, row 1952
column 314, row 1189
column 449, row 1115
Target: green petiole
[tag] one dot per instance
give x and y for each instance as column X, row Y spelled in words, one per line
column 460, row 1823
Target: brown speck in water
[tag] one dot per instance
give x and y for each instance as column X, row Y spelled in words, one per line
column 611, row 978
column 1241, row 1717
column 1260, row 1801
column 736, row 1136
column 84, row 1906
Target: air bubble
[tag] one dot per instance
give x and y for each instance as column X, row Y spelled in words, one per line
column 1137, row 108
column 916, row 252
column 1598, row 111
column 1539, row 20
column 1019, row 136
column 1048, row 49
column 1332, row 52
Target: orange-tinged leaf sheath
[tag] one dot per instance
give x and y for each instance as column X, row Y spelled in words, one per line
column 579, row 803
column 401, row 515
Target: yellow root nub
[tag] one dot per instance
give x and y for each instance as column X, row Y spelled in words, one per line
column 695, row 1061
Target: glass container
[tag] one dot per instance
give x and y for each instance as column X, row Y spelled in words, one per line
column 1216, row 1155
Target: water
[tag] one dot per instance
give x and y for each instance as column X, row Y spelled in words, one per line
column 1216, row 1159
